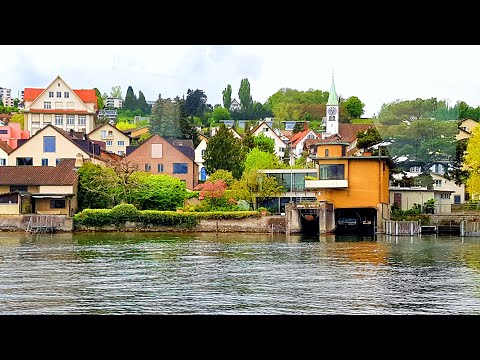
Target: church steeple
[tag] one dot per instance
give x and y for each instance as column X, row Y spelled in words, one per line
column 332, row 97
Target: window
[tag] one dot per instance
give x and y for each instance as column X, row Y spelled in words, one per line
column 457, row 199
column 203, row 152
column 180, row 168
column 25, row 161
column 110, row 132
column 265, row 129
column 49, row 144
column 82, row 120
column 160, row 168
column 326, row 152
column 44, row 162
column 445, row 196
column 3, row 162
column 3, row 131
column 157, row 151
column 57, row 204
column 57, row 161
column 311, row 136
column 415, row 169
column 50, row 94
column 66, row 95
column 59, row 94
column 332, row 172
column 281, row 149
column 18, row 188
column 70, row 120
column 437, row 183
column 121, row 152
column 47, row 104
column 104, row 134
column 121, row 143
column 109, row 142
column 59, row 120
column 331, row 118
column 148, row 167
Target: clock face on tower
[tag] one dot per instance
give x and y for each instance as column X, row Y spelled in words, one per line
column 332, row 111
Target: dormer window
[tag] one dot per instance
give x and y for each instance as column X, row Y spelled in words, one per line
column 415, row 169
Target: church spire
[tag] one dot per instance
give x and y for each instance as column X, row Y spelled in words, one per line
column 332, row 97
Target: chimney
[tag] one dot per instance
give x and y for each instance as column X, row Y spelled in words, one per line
column 78, row 160
column 305, row 126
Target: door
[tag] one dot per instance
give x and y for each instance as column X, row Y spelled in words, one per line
column 457, row 199
column 397, row 199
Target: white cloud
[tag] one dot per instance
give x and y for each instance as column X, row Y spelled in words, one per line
column 376, row 74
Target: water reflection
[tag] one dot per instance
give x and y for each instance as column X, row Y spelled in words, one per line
column 208, row 273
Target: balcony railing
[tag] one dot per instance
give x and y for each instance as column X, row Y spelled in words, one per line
column 326, row 184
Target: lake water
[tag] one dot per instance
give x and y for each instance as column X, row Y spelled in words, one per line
column 158, row 273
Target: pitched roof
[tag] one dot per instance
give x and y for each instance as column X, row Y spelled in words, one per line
column 88, row 96
column 299, row 136
column 62, row 174
column 4, row 146
column 287, row 133
column 332, row 97
column 348, row 132
column 185, row 146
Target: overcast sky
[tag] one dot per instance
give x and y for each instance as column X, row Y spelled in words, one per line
column 377, row 74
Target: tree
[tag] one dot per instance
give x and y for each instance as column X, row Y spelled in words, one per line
column 195, row 103
column 165, row 118
column 142, row 104
column 354, row 106
column 298, row 127
column 472, row 162
column 157, row 192
column 224, row 151
column 264, row 143
column 245, row 97
column 116, row 92
column 227, row 97
column 96, row 187
column 131, row 102
column 18, row 118
column 257, row 159
column 248, row 143
column 255, row 185
column 212, row 192
column 16, row 101
column 365, row 139
column 220, row 174
column 188, row 131
column 220, row 113
column 99, row 98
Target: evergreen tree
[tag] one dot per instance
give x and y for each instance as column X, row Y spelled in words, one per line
column 245, row 97
column 224, row 151
column 165, row 118
column 142, row 104
column 196, row 103
column 227, row 97
column 131, row 101
column 248, row 142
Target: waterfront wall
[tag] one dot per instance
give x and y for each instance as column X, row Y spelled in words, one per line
column 265, row 224
column 20, row 222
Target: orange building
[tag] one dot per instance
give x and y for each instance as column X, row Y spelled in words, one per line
column 356, row 186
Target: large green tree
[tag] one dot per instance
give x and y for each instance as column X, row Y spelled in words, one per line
column 195, row 103
column 96, row 187
column 142, row 104
column 245, row 97
column 257, row 159
column 224, row 151
column 264, row 143
column 131, row 102
column 227, row 97
column 166, row 117
column 354, row 106
column 220, row 113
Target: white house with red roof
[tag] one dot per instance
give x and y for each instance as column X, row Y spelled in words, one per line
column 60, row 105
column 297, row 142
column 265, row 129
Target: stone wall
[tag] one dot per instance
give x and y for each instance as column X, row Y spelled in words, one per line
column 20, row 222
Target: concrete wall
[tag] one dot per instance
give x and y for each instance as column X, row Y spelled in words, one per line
column 265, row 224
column 10, row 209
column 20, row 222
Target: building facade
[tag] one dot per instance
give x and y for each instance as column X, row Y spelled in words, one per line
column 60, row 105
column 114, row 103
column 11, row 133
column 115, row 140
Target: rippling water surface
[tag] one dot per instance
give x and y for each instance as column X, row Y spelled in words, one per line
column 117, row 273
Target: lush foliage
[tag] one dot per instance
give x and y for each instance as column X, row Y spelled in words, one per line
column 116, row 92
column 472, row 162
column 99, row 99
column 246, row 100
column 264, row 143
column 130, row 102
column 221, row 174
column 227, row 97
column 354, row 106
column 195, row 103
column 368, row 138
column 18, row 118
column 165, row 119
column 142, row 104
column 219, row 113
column 224, row 151
column 258, row 159
column 255, row 185
column 212, row 193
column 96, row 186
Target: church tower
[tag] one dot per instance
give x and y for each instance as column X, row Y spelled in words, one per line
column 332, row 112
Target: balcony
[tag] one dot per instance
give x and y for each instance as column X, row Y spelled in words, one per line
column 326, row 184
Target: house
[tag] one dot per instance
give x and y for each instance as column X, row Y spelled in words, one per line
column 60, row 105
column 108, row 115
column 5, row 150
column 115, row 141
column 199, row 154
column 465, row 129
column 407, row 198
column 159, row 155
column 356, row 186
column 236, row 135
column 136, row 133
column 11, row 133
column 235, row 105
column 50, row 145
column 297, row 142
column 6, row 97
column 265, row 129
column 39, row 189
column 114, row 103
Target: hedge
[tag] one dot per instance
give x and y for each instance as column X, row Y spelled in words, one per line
column 118, row 216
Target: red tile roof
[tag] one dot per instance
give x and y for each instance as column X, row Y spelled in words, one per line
column 288, row 133
column 4, row 146
column 299, row 136
column 62, row 174
column 87, row 96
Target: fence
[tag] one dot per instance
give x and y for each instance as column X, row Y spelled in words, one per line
column 402, row 228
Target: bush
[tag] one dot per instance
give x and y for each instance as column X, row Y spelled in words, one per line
column 124, row 212
column 192, row 194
